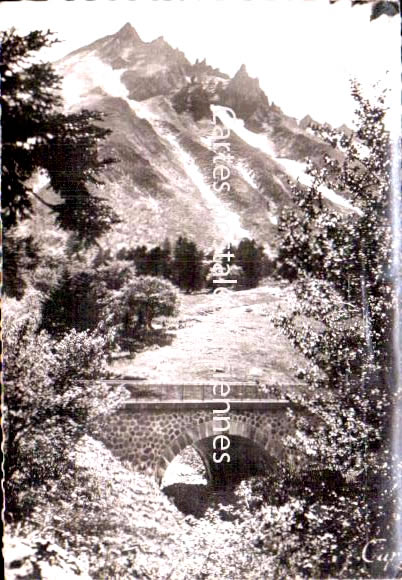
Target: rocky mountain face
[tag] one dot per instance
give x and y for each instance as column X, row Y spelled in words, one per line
column 243, row 95
column 169, row 179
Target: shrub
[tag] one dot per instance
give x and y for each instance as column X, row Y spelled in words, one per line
column 52, row 395
column 138, row 303
column 80, row 298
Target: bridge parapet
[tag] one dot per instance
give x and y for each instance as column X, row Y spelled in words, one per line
column 172, row 405
column 201, row 392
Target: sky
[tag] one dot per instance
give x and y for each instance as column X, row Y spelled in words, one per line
column 303, row 51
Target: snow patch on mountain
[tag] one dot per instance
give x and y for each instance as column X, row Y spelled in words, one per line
column 143, row 111
column 247, row 175
column 85, row 75
column 227, row 221
column 249, row 178
column 81, row 76
column 236, row 125
column 295, row 169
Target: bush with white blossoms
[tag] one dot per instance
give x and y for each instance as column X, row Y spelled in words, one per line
column 340, row 263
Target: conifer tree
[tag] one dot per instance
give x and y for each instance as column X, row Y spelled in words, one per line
column 37, row 135
column 187, row 265
column 249, row 257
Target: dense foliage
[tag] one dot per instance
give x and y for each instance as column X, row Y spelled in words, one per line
column 22, row 256
column 252, row 261
column 187, row 265
column 81, row 296
column 154, row 262
column 248, row 263
column 108, row 295
column 341, row 264
column 52, row 395
column 189, row 269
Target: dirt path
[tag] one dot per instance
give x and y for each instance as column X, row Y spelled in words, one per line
column 217, row 333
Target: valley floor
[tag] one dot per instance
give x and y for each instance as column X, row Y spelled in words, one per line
column 233, row 332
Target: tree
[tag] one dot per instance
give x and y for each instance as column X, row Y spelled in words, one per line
column 154, row 262
column 21, row 255
column 138, row 303
column 159, row 260
column 36, row 135
column 341, row 262
column 75, row 302
column 350, row 254
column 82, row 297
column 249, row 257
column 167, row 259
column 187, row 265
column 139, row 256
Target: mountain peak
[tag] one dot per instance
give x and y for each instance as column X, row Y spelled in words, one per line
column 161, row 44
column 242, row 73
column 242, row 77
column 244, row 95
column 128, row 32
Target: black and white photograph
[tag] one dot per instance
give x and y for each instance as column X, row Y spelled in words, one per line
column 201, row 289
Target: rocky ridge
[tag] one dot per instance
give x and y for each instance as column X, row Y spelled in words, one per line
column 163, row 184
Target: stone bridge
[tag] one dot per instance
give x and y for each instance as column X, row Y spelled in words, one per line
column 159, row 421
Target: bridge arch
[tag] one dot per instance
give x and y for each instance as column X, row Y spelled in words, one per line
column 149, row 434
column 239, row 427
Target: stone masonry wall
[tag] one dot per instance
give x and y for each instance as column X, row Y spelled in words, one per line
column 150, row 438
